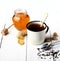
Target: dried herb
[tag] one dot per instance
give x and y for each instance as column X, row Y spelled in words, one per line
column 47, row 46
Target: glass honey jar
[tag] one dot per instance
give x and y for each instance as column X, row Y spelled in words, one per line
column 20, row 19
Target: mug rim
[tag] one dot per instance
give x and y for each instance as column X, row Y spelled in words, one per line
column 36, row 21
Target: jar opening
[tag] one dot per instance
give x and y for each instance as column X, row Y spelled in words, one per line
column 20, row 11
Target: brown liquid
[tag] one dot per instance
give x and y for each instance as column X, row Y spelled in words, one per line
column 36, row 27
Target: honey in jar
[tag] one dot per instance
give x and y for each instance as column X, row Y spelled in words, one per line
column 20, row 19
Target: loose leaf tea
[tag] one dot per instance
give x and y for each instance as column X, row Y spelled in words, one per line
column 44, row 54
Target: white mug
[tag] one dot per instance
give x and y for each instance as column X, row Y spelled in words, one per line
column 36, row 36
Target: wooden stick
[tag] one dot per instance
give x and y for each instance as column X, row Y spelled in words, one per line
column 10, row 26
column 2, row 37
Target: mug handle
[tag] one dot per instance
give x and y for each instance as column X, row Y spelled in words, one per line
column 47, row 28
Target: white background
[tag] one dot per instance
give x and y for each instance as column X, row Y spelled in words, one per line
column 11, row 50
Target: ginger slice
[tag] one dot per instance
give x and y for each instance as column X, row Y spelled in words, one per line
column 21, row 41
column 22, row 33
column 20, row 36
column 55, row 35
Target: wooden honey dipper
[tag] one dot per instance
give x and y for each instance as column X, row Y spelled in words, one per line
column 5, row 30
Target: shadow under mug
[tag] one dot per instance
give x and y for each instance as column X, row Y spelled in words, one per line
column 35, row 34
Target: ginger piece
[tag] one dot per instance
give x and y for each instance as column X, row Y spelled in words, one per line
column 47, row 39
column 22, row 34
column 55, row 35
column 21, row 41
column 20, row 37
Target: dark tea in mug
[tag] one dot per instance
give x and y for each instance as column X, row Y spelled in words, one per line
column 36, row 27
column 36, row 31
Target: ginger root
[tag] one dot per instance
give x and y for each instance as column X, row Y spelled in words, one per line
column 21, row 36
column 21, row 41
column 54, row 37
column 22, row 33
